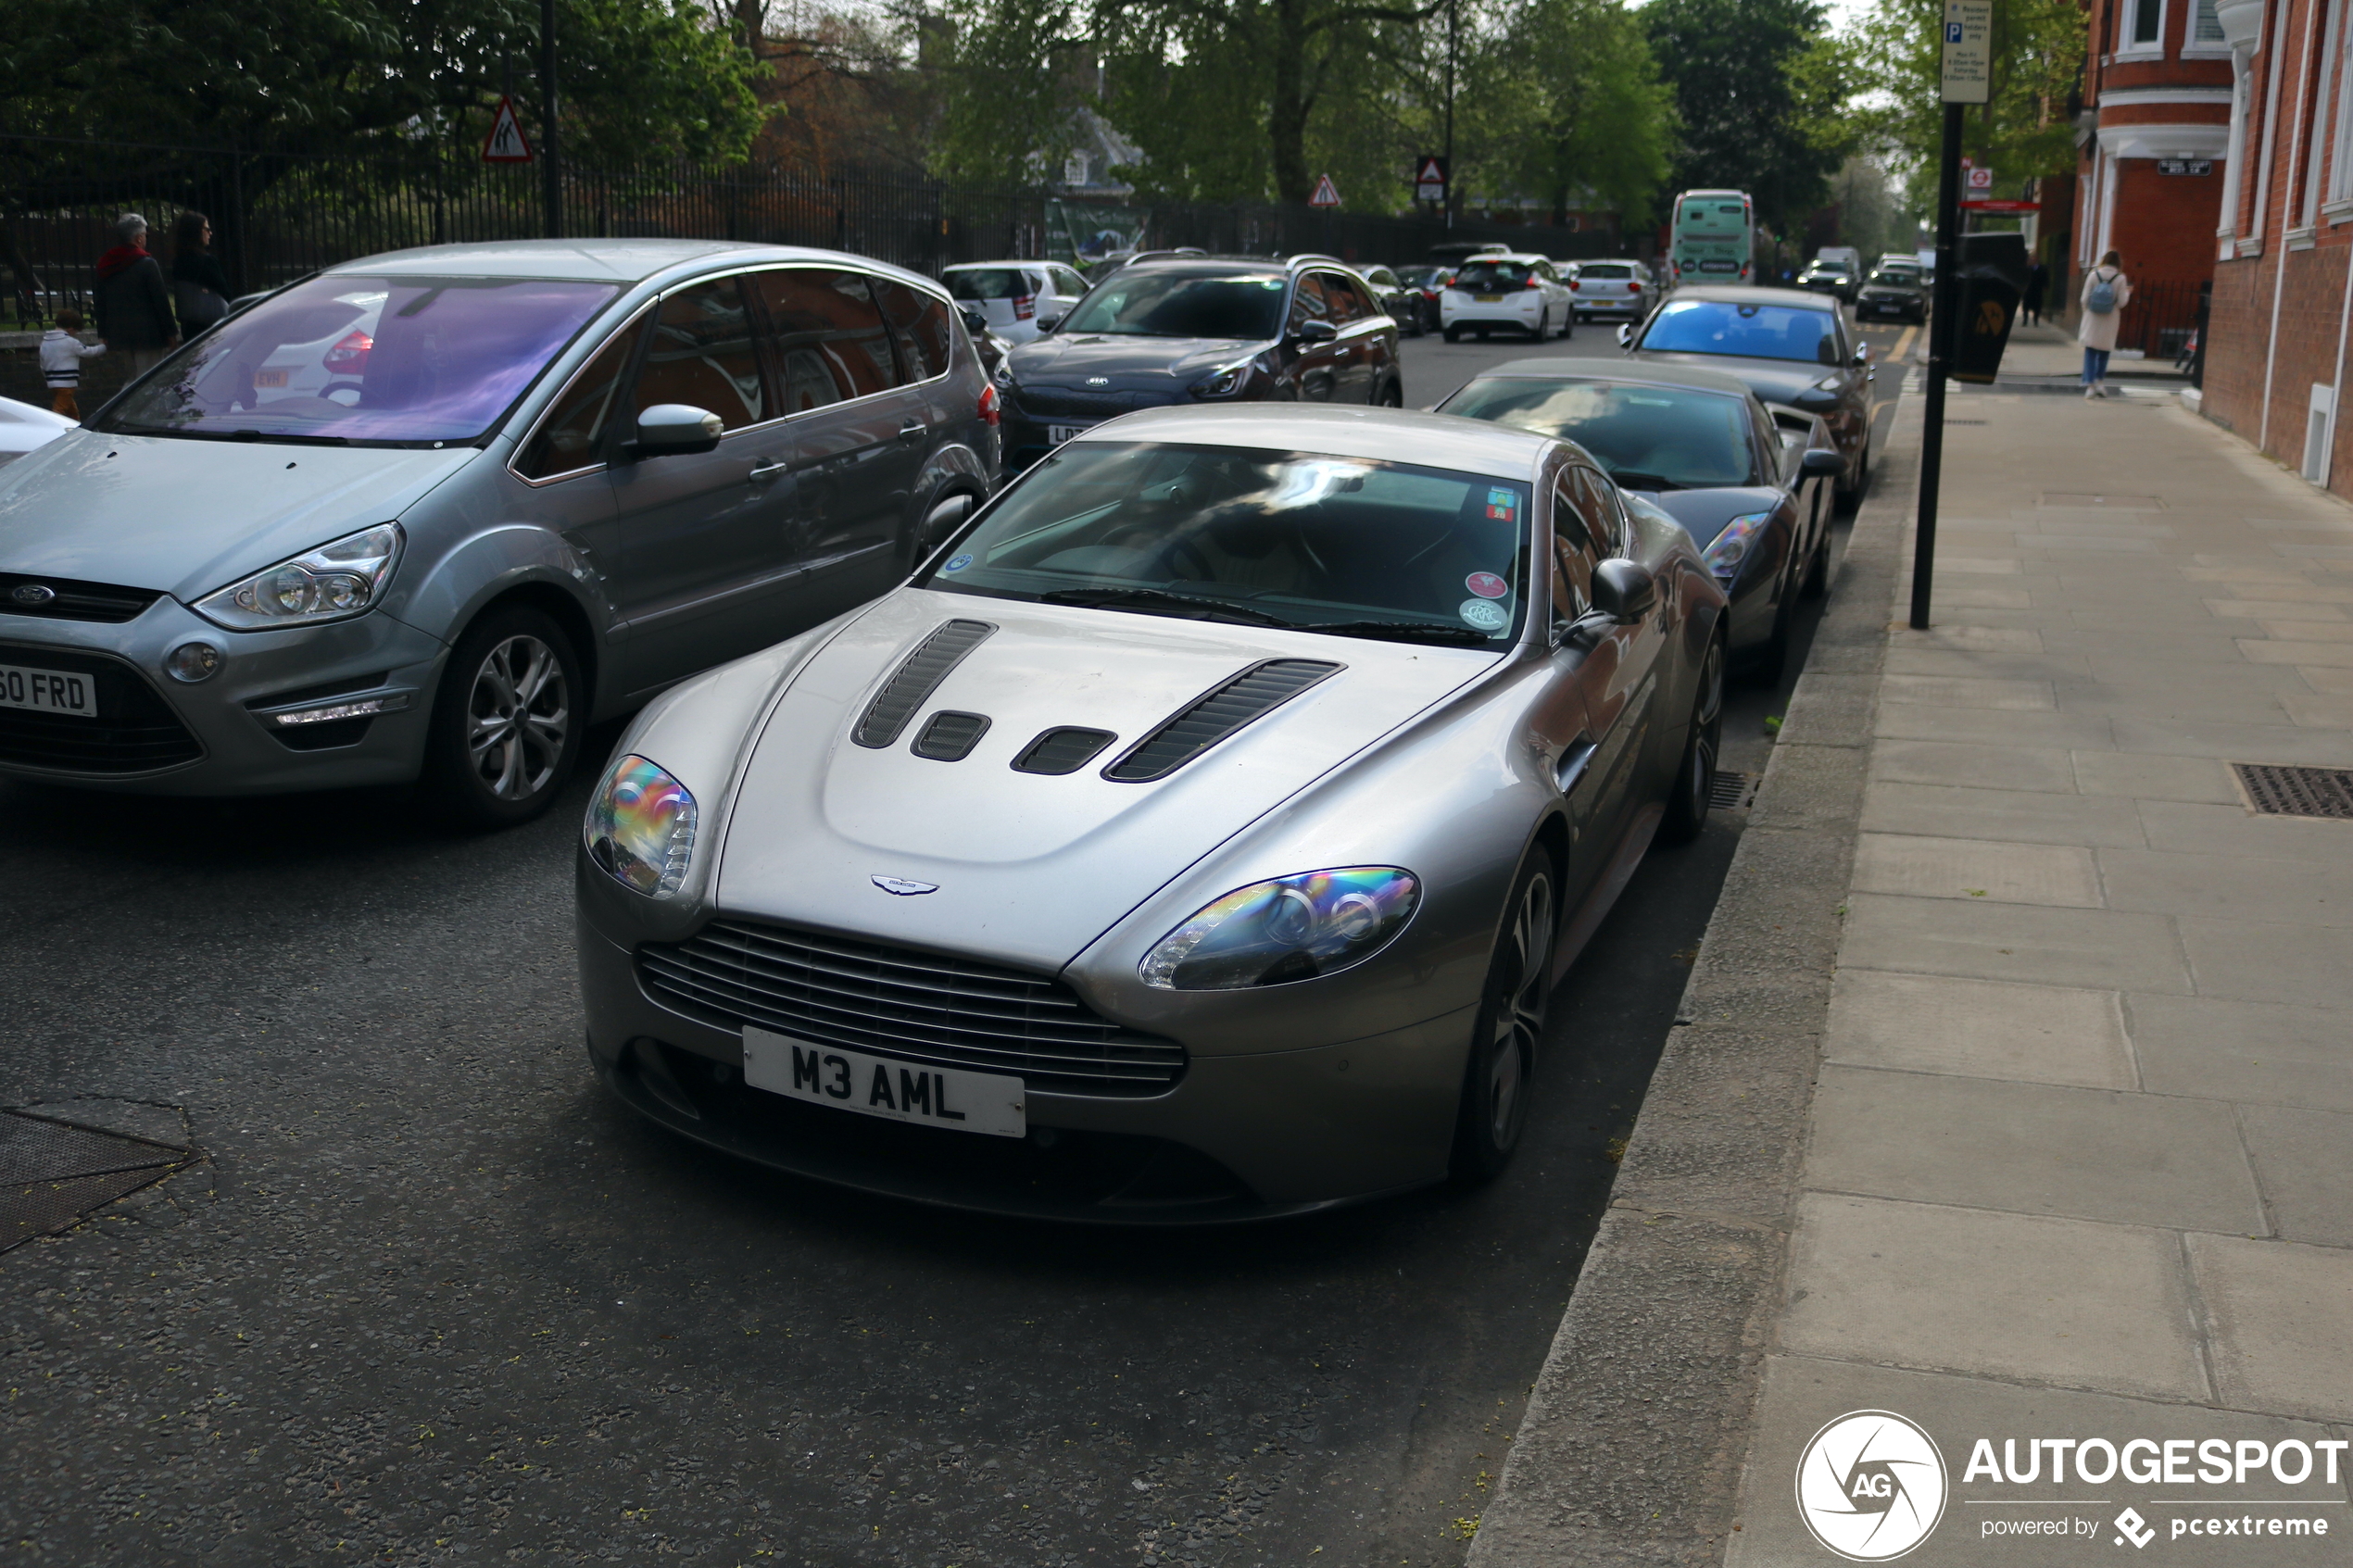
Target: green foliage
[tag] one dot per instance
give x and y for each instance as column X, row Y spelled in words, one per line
column 638, row 77
column 1584, row 119
column 2022, row 132
column 1760, row 96
column 1009, row 98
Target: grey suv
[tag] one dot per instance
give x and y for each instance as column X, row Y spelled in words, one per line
column 433, row 513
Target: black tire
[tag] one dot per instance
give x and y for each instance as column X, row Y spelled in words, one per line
column 1510, row 1029
column 506, row 720
column 1568, row 328
column 1543, row 327
column 1392, row 396
column 1695, row 787
column 1766, row 662
column 1453, row 334
column 1818, row 567
column 1480, row 332
column 1850, row 495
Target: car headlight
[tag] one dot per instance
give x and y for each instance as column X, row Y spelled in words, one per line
column 641, row 827
column 1732, row 546
column 1003, row 375
column 330, row 582
column 1290, row 928
column 1222, row 383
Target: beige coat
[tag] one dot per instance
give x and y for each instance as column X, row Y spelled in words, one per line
column 2099, row 331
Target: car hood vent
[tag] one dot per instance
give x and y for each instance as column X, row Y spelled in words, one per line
column 916, row 678
column 1243, row 700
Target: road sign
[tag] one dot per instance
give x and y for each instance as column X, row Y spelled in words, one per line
column 1975, row 182
column 1326, row 193
column 506, row 142
column 1968, row 51
column 1430, row 179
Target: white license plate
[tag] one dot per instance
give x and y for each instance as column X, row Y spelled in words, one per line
column 1489, row 298
column 875, row 1085
column 1060, row 434
column 48, row 691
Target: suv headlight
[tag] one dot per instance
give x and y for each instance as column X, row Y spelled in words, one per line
column 1289, row 928
column 1223, row 383
column 1732, row 546
column 641, row 827
column 332, row 583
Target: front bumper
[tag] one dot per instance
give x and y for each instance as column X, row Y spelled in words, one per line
column 1237, row 1138
column 215, row 738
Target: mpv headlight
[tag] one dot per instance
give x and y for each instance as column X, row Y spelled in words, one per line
column 641, row 827
column 1290, row 928
column 330, row 582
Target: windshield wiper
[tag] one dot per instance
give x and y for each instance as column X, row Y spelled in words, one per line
column 1635, row 479
column 1402, row 631
column 249, row 435
column 1147, row 599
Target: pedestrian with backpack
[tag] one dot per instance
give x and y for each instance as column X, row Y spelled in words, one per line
column 2106, row 293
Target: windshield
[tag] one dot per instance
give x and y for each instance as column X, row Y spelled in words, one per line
column 1287, row 539
column 1604, row 269
column 1492, row 277
column 367, row 359
column 1903, row 275
column 1751, row 331
column 1155, row 304
column 1647, row 437
column 987, row 282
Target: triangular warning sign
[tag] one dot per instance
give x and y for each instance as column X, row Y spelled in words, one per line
column 506, row 142
column 1432, row 173
column 1326, row 193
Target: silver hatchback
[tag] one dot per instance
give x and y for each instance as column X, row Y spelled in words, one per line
column 433, row 513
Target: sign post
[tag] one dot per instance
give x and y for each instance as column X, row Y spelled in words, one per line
column 1430, row 179
column 1968, row 78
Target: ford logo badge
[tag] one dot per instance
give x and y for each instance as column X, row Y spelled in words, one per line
column 34, row 593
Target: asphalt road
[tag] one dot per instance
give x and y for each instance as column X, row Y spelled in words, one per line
column 433, row 1299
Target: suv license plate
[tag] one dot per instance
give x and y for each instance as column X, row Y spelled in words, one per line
column 48, row 691
column 1057, row 434
column 875, row 1085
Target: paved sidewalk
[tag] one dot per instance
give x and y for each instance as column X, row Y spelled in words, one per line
column 2080, row 1164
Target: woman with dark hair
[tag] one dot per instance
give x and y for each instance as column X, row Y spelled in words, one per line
column 199, row 288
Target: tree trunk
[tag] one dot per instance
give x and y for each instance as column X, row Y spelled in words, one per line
column 1287, row 103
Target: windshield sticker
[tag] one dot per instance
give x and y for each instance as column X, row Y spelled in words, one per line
column 1503, row 506
column 957, row 563
column 1487, row 586
column 1485, row 615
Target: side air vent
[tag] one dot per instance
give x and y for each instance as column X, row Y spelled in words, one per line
column 916, row 680
column 950, row 736
column 1246, row 698
column 1062, row 751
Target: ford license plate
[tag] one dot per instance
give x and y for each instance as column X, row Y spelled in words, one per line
column 1060, row 434
column 48, row 691
column 875, row 1086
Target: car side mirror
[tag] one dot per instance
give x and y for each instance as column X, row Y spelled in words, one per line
column 674, row 430
column 1624, row 334
column 1820, row 462
column 1624, row 590
column 1317, row 331
column 1048, row 323
column 1862, row 356
column 975, row 322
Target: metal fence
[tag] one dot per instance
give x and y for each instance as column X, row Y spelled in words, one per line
column 279, row 216
column 2159, row 319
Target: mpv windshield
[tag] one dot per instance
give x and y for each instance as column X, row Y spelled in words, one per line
column 1750, row 331
column 1648, row 437
column 366, row 359
column 1150, row 303
column 1372, row 549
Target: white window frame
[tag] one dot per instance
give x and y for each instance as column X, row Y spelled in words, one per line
column 2126, row 48
column 2338, row 106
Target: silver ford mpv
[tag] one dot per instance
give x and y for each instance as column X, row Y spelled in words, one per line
column 431, row 514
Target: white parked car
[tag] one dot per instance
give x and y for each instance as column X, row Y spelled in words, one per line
column 1015, row 296
column 24, row 427
column 1523, row 293
column 1612, row 288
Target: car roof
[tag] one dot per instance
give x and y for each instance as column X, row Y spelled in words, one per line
column 1742, row 293
column 1438, row 441
column 1505, row 256
column 1010, row 261
column 601, row 261
column 1641, row 371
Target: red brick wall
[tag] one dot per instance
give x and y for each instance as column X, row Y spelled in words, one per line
column 2165, row 223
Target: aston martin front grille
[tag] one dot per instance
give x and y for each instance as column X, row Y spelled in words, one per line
column 904, row 1003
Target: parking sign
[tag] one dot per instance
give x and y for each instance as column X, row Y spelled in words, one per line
column 1968, row 29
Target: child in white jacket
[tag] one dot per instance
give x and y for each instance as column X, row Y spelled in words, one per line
column 61, row 357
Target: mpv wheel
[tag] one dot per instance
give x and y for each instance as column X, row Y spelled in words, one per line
column 508, row 721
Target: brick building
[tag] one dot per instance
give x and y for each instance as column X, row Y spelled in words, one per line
column 2157, row 158
column 2282, row 295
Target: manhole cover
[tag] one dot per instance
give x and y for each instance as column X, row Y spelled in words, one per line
column 52, row 1173
column 1734, row 792
column 2297, row 792
column 2117, row 503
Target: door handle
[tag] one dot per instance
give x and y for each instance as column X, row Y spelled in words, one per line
column 768, row 471
column 1342, row 354
column 912, row 430
column 1573, row 763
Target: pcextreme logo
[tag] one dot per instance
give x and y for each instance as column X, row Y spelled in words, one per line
column 1871, row 1486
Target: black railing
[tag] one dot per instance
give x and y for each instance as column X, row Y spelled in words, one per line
column 278, row 216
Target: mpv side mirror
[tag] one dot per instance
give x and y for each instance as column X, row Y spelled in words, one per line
column 975, row 322
column 1820, row 462
column 1317, row 331
column 1862, row 356
column 674, row 430
column 1048, row 323
column 1624, row 590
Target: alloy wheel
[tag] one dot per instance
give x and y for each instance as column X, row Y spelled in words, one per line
column 1707, row 728
column 517, row 717
column 1519, row 1021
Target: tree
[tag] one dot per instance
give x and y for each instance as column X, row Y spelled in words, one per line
column 1758, row 98
column 2022, row 132
column 1592, row 123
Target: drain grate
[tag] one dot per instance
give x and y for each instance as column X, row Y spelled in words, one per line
column 1733, row 792
column 2297, row 792
column 52, row 1173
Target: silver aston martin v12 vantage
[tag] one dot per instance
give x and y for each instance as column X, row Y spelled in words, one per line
column 1195, row 836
